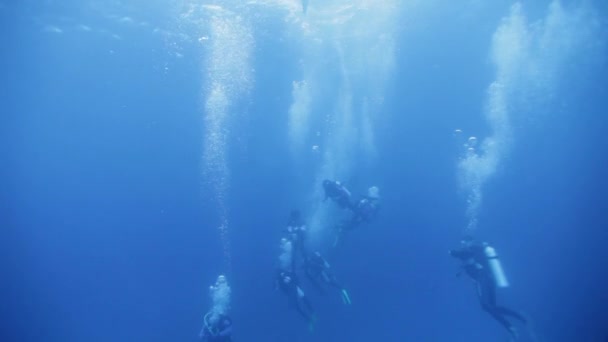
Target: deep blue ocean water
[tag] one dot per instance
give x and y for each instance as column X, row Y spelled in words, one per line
column 150, row 146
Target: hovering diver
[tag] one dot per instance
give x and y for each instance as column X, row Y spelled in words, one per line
column 338, row 193
column 480, row 262
column 364, row 211
column 216, row 328
column 217, row 325
column 287, row 282
column 296, row 233
column 367, row 208
column 318, row 270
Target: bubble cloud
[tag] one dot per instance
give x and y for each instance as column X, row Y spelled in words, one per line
column 528, row 58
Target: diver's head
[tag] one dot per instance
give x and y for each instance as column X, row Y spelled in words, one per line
column 373, row 192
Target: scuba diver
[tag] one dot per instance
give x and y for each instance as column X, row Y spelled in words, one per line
column 364, row 211
column 216, row 328
column 338, row 193
column 367, row 208
column 217, row 325
column 296, row 233
column 287, row 281
column 317, row 270
column 480, row 262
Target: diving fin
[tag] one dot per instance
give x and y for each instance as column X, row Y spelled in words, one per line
column 311, row 323
column 345, row 297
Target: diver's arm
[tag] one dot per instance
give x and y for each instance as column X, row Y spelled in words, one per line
column 460, row 253
column 313, row 280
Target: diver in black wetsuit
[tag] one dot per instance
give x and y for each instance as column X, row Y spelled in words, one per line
column 217, row 328
column 317, row 270
column 476, row 264
column 287, row 281
column 296, row 233
column 338, row 193
column 364, row 211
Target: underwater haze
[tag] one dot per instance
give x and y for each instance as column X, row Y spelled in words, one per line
column 150, row 146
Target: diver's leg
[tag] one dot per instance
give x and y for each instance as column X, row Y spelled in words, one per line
column 512, row 313
column 487, row 299
column 295, row 300
column 331, row 280
column 303, row 312
column 340, row 232
column 308, row 306
column 499, row 318
column 303, row 306
column 490, row 291
column 302, row 248
column 315, row 283
column 293, row 258
column 305, row 309
column 304, row 301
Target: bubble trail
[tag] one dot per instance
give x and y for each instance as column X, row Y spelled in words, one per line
column 528, row 58
column 228, row 75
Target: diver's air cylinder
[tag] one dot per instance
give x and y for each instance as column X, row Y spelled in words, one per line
column 496, row 267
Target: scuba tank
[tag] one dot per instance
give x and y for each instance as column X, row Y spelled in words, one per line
column 495, row 267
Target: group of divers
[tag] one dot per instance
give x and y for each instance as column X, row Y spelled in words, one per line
column 478, row 260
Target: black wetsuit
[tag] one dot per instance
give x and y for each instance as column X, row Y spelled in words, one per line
column 295, row 232
column 220, row 332
column 475, row 264
column 338, row 193
column 318, row 269
column 364, row 211
column 288, row 283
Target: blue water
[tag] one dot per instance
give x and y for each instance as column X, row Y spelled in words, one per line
column 148, row 148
